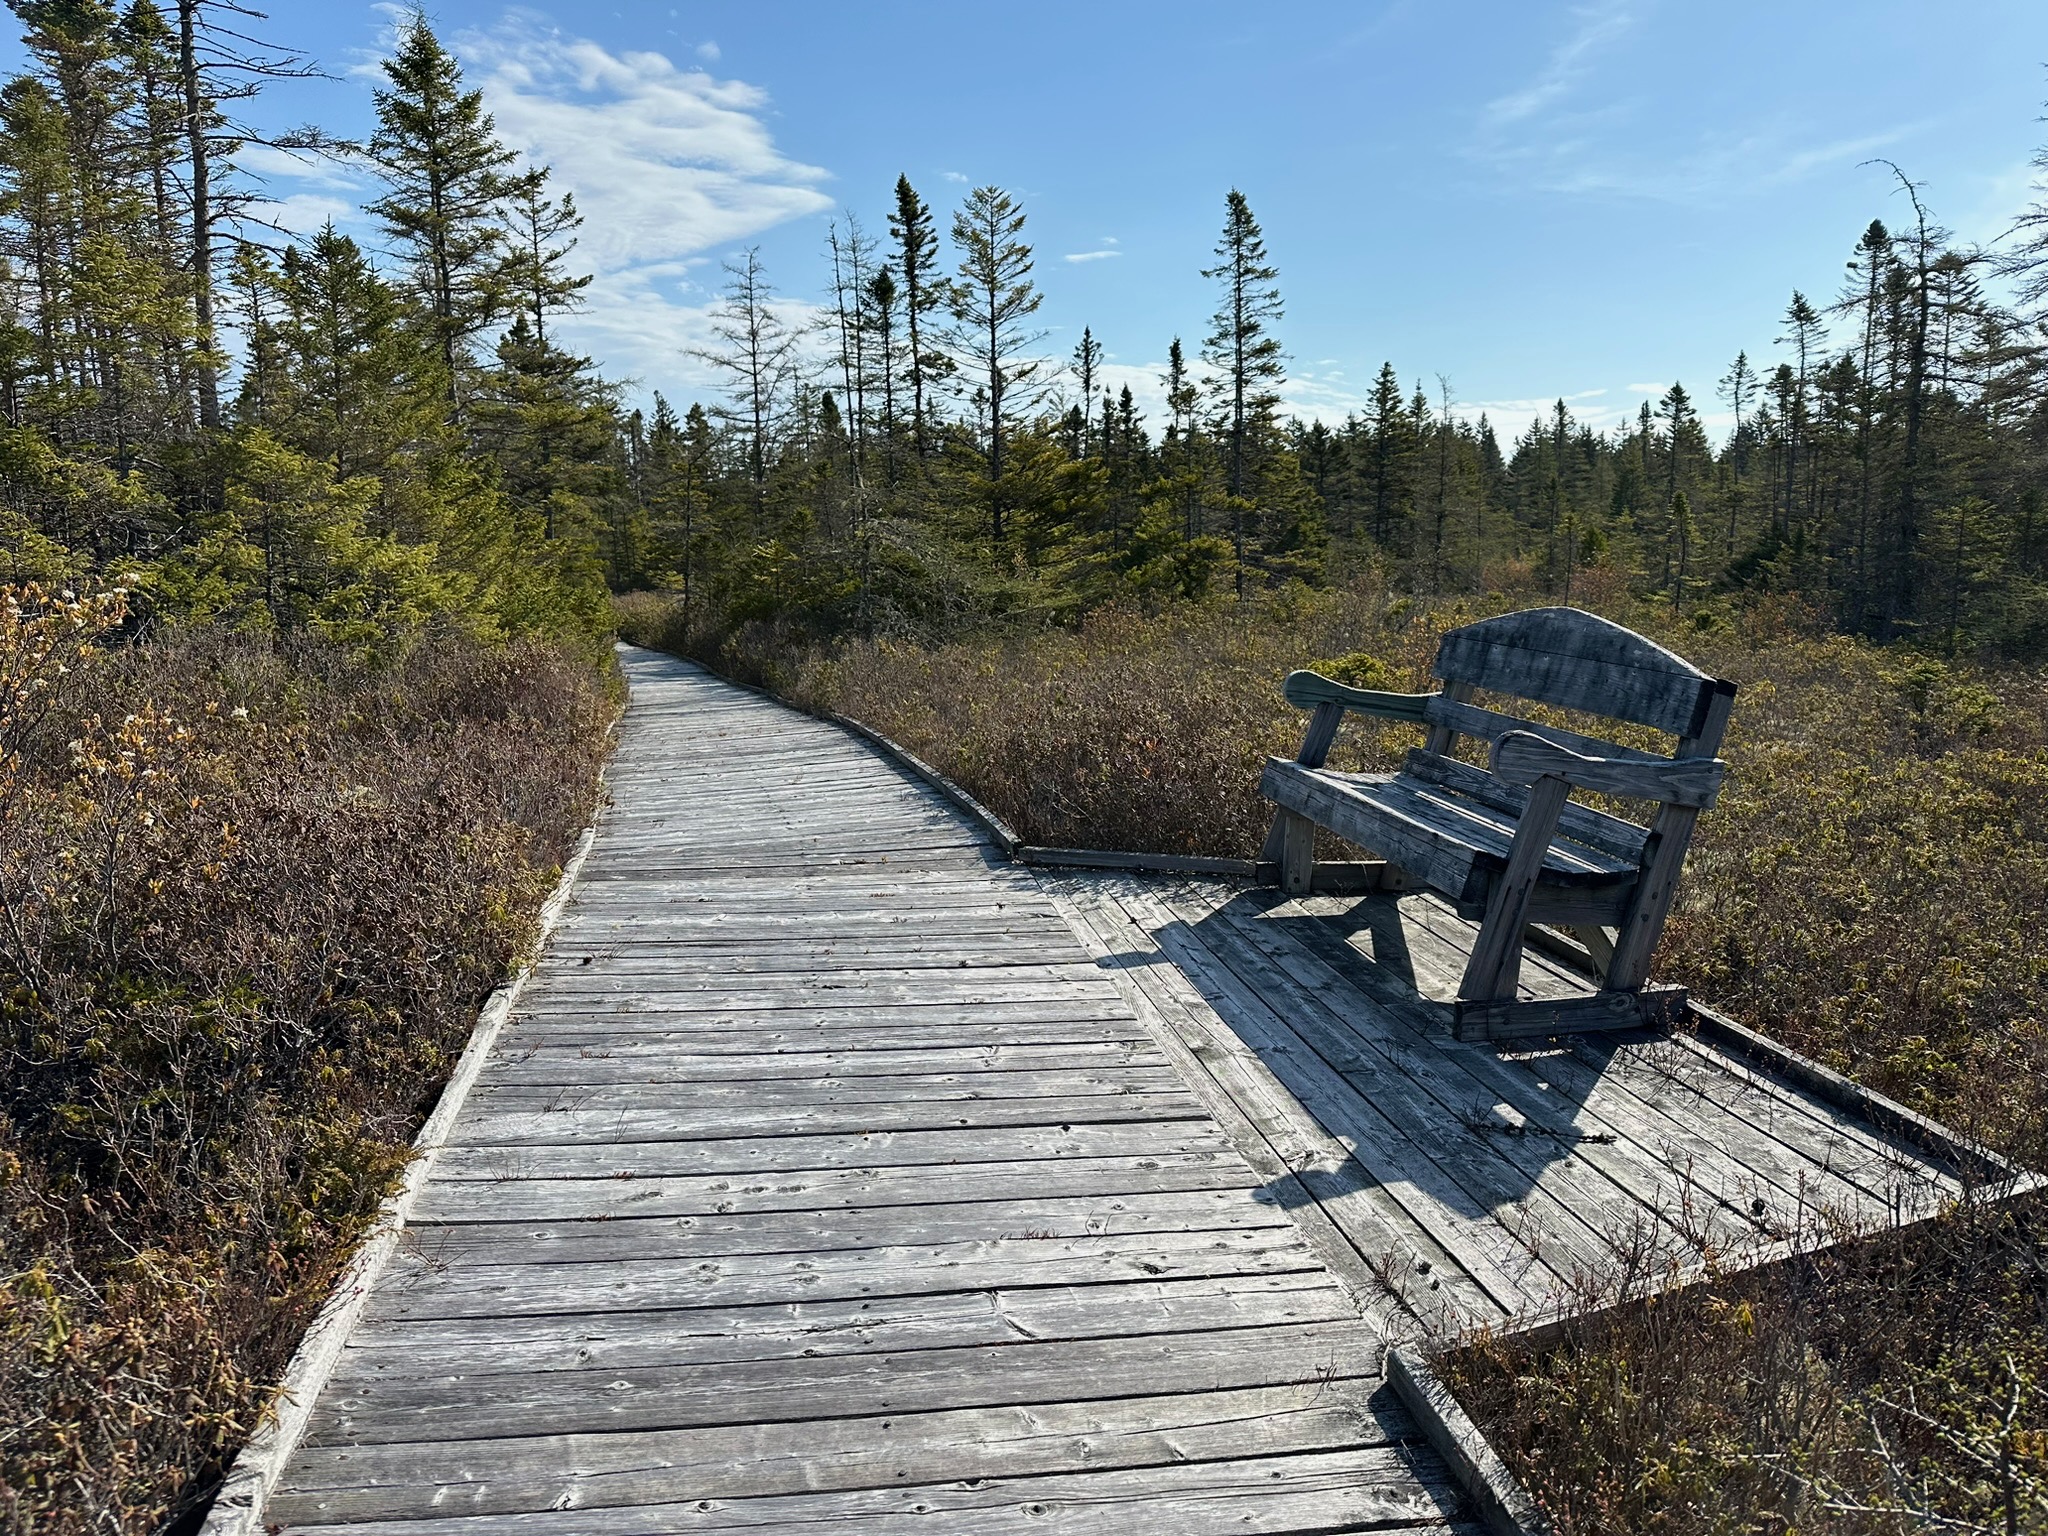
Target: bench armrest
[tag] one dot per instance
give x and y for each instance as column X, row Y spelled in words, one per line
column 1305, row 690
column 1520, row 757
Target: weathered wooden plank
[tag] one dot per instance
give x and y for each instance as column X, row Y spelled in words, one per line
column 626, row 966
column 418, row 1287
column 1509, row 1018
column 1577, row 660
column 774, row 1091
column 618, row 1127
column 875, row 1056
column 1495, row 969
column 823, row 991
column 561, row 1020
column 383, row 1409
column 889, row 1325
column 600, row 1471
column 1306, row 690
column 749, row 1157
column 722, row 1234
column 1392, row 1492
column 808, row 933
column 542, row 1198
column 971, row 981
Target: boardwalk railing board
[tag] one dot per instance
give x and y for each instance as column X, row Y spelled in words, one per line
column 1507, row 844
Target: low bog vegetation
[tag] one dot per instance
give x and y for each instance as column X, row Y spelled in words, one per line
column 252, row 893
column 1869, row 890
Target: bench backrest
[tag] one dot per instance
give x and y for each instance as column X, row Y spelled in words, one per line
column 1576, row 660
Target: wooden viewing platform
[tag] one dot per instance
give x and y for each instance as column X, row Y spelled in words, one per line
column 833, row 1172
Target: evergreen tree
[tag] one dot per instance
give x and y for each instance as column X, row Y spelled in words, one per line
column 1241, row 348
column 1087, row 363
column 1385, row 472
column 438, row 152
column 924, row 292
column 540, row 238
column 993, row 297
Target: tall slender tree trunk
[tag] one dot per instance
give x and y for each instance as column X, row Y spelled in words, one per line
column 202, row 212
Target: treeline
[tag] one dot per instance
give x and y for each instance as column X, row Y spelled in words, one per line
column 303, row 434
column 395, row 442
column 923, row 460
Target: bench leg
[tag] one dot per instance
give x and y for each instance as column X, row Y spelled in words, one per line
column 1644, row 925
column 1297, row 853
column 1495, row 969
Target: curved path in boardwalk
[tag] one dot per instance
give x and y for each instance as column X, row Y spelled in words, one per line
column 825, row 1180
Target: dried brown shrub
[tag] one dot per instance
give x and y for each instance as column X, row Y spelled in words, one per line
column 249, row 904
column 1879, row 1387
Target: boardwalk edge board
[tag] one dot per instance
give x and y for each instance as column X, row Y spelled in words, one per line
column 1499, row 1499
column 238, row 1506
column 1007, row 842
column 1846, row 1093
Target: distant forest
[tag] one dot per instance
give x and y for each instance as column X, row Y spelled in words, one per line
column 308, row 435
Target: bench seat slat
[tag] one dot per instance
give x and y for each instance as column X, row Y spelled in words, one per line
column 1454, row 843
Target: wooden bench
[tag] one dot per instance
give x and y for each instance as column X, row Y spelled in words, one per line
column 1510, row 847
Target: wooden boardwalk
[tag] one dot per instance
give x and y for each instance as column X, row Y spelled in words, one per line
column 822, row 1179
column 834, row 1173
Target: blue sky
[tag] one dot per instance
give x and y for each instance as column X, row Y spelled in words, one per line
column 1534, row 200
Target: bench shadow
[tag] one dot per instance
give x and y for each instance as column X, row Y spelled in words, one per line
column 1378, row 1097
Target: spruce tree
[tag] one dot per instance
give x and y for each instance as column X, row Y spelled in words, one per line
column 1240, row 347
column 437, row 150
column 924, row 291
column 1390, row 438
column 1087, row 362
column 992, row 300
column 541, row 236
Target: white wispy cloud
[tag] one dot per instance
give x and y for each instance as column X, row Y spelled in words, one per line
column 1580, row 129
column 306, row 213
column 1091, row 255
column 665, row 161
column 1594, row 28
